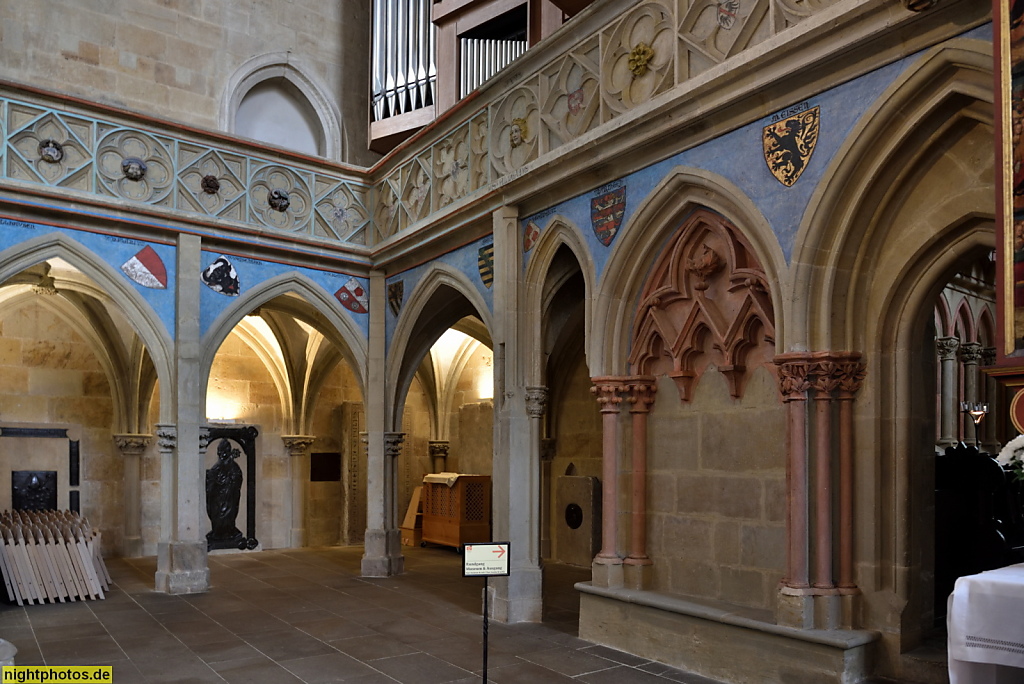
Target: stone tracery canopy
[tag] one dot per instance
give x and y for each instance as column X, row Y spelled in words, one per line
column 706, row 302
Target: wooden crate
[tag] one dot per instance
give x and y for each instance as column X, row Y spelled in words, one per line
column 460, row 514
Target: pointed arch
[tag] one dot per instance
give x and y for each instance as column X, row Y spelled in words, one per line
column 964, row 320
column 938, row 98
column 986, row 327
column 442, row 297
column 943, row 318
column 314, row 305
column 286, row 66
column 144, row 320
column 682, row 191
column 559, row 233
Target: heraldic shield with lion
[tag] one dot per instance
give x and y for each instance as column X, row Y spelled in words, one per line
column 789, row 143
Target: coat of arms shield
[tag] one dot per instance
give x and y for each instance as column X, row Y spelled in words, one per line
column 606, row 212
column 396, row 292
column 789, row 143
column 485, row 262
column 353, row 296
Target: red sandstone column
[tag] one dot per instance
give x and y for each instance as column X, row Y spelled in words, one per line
column 824, row 382
column 851, row 376
column 607, row 390
column 641, row 396
column 793, row 384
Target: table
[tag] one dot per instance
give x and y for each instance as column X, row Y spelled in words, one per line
column 986, row 628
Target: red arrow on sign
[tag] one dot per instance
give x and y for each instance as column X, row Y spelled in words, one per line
column 500, row 551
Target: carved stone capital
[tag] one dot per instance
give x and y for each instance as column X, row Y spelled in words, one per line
column 393, row 443
column 297, row 445
column 970, row 353
column 794, row 380
column 988, row 356
column 204, row 438
column 641, row 393
column 166, row 436
column 438, row 448
column 130, row 444
column 946, row 348
column 824, row 377
column 536, row 401
column 607, row 389
column 851, row 377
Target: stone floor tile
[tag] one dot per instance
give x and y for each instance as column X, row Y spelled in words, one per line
column 370, row 648
column 419, row 667
column 568, row 662
column 332, row 667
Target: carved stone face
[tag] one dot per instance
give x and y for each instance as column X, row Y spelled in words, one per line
column 134, row 169
column 516, row 135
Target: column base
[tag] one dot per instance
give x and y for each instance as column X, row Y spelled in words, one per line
column 132, row 547
column 382, row 554
column 518, row 597
column 605, row 573
column 636, row 575
column 815, row 608
column 182, row 568
column 297, row 537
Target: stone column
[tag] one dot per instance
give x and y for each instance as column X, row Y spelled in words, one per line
column 439, row 454
column 547, row 455
column 298, row 468
column 608, row 563
column 970, row 356
column 641, row 397
column 851, row 375
column 989, row 438
column 823, row 381
column 379, row 541
column 132, row 447
column 946, row 347
column 536, row 405
column 515, row 467
column 795, row 606
column 392, row 450
column 166, row 441
column 182, row 566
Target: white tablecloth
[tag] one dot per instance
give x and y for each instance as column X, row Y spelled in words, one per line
column 986, row 628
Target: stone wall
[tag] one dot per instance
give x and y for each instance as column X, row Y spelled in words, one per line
column 175, row 57
column 50, row 377
column 716, row 491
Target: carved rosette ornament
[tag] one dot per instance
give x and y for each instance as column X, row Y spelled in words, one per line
column 132, row 444
column 166, row 436
column 393, row 443
column 536, row 401
column 280, row 198
column 637, row 65
column 639, row 57
column 297, row 445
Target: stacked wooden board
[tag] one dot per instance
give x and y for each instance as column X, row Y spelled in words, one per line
column 51, row 556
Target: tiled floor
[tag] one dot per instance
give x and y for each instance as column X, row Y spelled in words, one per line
column 283, row 617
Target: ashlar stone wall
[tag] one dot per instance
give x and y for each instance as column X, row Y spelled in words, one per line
column 50, row 377
column 716, row 488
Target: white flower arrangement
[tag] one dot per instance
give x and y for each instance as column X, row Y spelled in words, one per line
column 1012, row 456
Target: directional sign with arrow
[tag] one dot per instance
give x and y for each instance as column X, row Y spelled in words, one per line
column 485, row 560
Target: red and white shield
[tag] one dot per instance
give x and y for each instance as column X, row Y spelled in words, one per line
column 353, row 296
column 147, row 269
column 530, row 236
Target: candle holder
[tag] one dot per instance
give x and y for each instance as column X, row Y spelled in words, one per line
column 977, row 412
